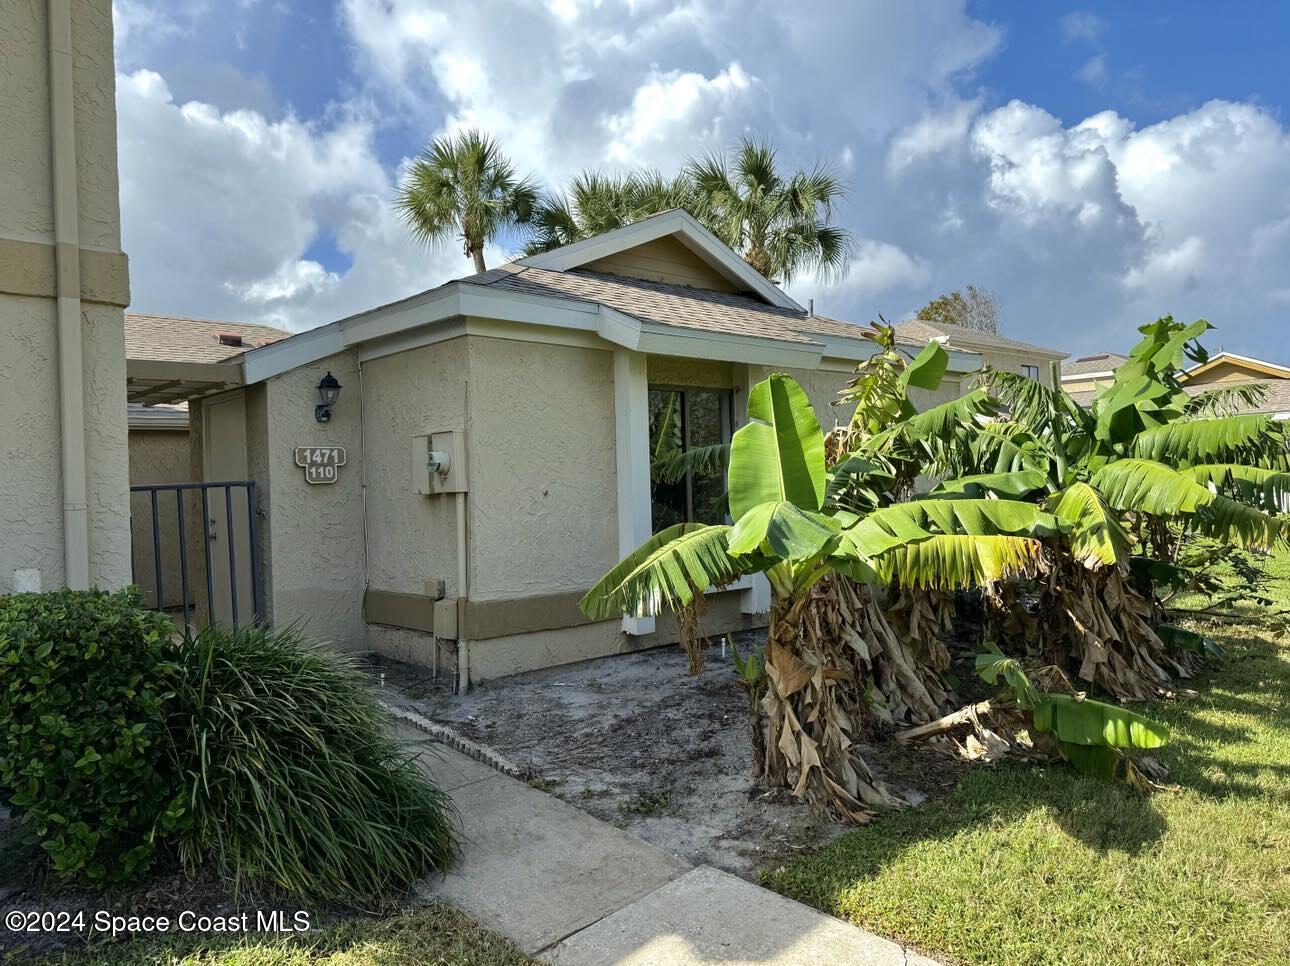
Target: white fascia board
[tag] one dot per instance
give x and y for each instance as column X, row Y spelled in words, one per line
column 1081, row 376
column 692, row 234
column 299, row 350
column 694, row 344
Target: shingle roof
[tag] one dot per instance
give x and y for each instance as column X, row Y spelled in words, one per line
column 674, row 305
column 924, row 331
column 1276, row 401
column 1100, row 362
column 172, row 338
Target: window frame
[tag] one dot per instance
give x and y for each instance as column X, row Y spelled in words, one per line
column 727, row 432
column 1027, row 369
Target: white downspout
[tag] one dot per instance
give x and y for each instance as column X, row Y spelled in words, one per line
column 67, row 248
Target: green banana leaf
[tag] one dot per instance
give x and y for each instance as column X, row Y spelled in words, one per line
column 779, row 455
column 1084, row 721
column 1097, row 536
column 784, row 530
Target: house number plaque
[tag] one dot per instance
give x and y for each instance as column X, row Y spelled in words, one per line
column 321, row 463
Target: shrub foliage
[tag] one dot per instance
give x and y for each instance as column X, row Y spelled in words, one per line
column 84, row 677
column 291, row 778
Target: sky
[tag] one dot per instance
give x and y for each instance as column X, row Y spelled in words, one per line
column 1094, row 165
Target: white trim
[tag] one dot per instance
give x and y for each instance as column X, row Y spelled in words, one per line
column 631, row 451
column 688, row 230
column 1222, row 356
column 1081, row 376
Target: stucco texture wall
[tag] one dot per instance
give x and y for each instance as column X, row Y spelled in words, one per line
column 543, row 485
column 314, row 572
column 159, row 456
column 31, row 520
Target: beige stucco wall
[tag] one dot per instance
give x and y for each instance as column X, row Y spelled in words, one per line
column 312, row 534
column 823, row 385
column 31, row 520
column 1007, row 360
column 159, row 456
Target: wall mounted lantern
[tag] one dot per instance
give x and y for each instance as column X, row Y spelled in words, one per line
column 328, row 392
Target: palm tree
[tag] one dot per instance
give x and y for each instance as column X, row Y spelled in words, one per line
column 463, row 186
column 597, row 202
column 780, row 224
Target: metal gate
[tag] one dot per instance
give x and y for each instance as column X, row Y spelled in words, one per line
column 213, row 516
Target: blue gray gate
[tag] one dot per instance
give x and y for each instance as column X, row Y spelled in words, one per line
column 168, row 549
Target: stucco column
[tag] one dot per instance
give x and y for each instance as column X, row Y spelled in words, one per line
column 631, row 442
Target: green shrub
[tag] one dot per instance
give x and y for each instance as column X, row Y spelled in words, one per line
column 84, row 677
column 292, row 778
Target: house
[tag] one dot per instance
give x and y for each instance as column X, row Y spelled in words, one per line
column 159, row 432
column 440, row 479
column 63, row 285
column 1084, row 377
column 996, row 351
column 1089, row 373
column 1226, row 369
column 537, row 381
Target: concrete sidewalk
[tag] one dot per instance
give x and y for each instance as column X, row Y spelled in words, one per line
column 575, row 891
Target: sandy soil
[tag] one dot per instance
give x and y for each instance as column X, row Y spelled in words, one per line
column 635, row 741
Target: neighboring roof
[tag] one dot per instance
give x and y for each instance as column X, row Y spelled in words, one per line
column 924, row 331
column 1276, row 401
column 164, row 416
column 1258, row 367
column 170, row 359
column 1095, row 364
column 679, row 224
column 173, row 338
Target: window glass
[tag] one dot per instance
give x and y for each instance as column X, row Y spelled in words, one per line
column 1030, row 372
column 688, row 421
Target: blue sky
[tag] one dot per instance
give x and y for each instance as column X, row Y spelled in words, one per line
column 1095, row 165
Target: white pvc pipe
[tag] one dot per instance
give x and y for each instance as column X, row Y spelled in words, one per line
column 463, row 595
column 67, row 251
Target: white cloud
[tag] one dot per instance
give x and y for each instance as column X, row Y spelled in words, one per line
column 1082, row 25
column 1083, row 229
column 1093, row 71
column 219, row 209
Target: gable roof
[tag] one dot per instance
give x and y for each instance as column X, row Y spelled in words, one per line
column 1257, row 367
column 1099, row 362
column 923, row 331
column 174, row 338
column 679, row 224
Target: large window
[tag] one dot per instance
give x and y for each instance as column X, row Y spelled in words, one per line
column 688, row 429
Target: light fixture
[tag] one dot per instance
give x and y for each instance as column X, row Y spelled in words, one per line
column 328, row 392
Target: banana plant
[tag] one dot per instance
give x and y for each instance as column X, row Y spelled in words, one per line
column 1141, row 469
column 1097, row 738
column 782, row 528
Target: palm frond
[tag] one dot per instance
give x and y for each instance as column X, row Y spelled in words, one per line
column 1097, row 536
column 707, row 460
column 1226, row 400
column 667, row 571
column 1231, row 521
column 1268, row 489
column 1149, row 487
column 959, row 561
column 1217, row 439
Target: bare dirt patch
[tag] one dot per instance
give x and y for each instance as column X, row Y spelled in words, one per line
column 635, row 741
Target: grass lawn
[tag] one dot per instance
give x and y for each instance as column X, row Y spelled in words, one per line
column 1038, row 865
column 435, row 935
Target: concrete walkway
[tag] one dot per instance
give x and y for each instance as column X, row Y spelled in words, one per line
column 575, row 891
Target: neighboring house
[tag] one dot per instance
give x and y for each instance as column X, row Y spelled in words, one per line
column 63, row 284
column 159, row 448
column 1090, row 373
column 1227, row 369
column 531, row 388
column 996, row 351
column 1086, row 376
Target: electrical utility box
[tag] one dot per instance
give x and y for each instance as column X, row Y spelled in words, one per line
column 439, row 462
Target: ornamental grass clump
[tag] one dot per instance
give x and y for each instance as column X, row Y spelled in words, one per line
column 291, row 778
